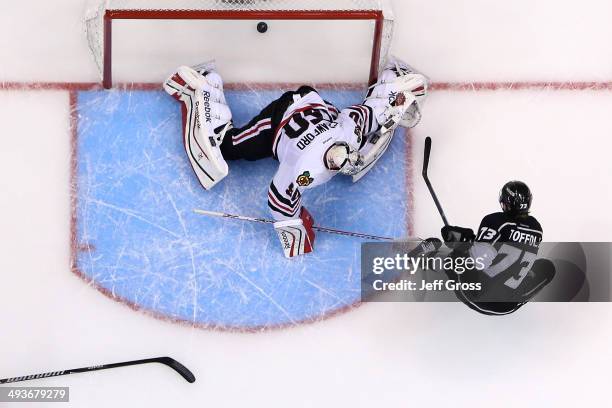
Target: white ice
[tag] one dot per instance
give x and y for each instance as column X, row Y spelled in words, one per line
column 379, row 354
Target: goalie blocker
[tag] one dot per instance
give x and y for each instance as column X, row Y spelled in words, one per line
column 296, row 236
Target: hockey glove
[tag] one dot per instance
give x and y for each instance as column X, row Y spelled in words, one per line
column 457, row 234
column 296, row 236
column 458, row 238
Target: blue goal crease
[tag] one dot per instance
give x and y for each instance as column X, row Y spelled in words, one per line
column 136, row 193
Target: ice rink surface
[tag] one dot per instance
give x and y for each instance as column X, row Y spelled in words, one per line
column 142, row 243
column 521, row 90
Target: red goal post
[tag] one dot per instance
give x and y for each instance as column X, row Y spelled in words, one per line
column 99, row 20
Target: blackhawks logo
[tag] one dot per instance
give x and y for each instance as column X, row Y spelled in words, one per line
column 304, row 179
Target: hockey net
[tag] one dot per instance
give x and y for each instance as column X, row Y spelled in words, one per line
column 151, row 36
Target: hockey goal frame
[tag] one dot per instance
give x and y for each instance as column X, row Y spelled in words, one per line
column 110, row 15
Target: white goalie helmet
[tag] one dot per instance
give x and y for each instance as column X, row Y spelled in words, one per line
column 340, row 157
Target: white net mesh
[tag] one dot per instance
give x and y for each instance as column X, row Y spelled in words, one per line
column 94, row 20
column 243, row 4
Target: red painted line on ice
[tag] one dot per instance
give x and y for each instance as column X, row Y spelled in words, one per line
column 410, row 177
column 154, row 86
column 520, row 86
column 436, row 86
column 74, row 134
column 49, row 86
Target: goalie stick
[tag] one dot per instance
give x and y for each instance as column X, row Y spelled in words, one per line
column 321, row 229
column 170, row 362
column 426, row 178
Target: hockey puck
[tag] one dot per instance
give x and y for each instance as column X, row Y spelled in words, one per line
column 262, row 27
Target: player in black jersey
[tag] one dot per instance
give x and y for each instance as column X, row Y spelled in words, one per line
column 507, row 243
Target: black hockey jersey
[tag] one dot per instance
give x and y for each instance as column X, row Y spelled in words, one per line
column 515, row 240
column 508, row 246
column 524, row 231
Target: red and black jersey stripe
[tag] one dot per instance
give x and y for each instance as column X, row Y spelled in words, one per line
column 287, row 207
column 363, row 116
column 333, row 111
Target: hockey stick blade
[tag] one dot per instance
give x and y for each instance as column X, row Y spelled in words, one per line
column 179, row 368
column 170, row 362
column 426, row 155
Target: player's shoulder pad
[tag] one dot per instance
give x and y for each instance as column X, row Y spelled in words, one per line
column 531, row 222
column 494, row 220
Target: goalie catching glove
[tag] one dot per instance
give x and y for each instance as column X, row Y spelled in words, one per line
column 395, row 100
column 206, row 119
column 296, row 236
column 397, row 96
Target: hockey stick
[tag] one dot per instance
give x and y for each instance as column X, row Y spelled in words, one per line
column 170, row 362
column 431, row 190
column 320, row 229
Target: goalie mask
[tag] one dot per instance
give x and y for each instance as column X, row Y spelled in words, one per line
column 340, row 157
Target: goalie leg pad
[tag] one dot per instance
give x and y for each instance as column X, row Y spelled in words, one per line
column 202, row 150
column 200, row 113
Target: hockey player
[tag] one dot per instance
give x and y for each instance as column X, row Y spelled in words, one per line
column 312, row 140
column 507, row 243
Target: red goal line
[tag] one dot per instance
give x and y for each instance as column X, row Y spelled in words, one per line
column 435, row 86
column 519, row 86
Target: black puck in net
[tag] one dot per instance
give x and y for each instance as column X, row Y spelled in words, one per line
column 262, row 27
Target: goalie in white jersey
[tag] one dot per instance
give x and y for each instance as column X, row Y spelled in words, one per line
column 311, row 139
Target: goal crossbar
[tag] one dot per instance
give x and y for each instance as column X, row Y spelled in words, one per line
column 380, row 43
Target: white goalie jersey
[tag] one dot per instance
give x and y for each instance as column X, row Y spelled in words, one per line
column 311, row 139
column 310, row 127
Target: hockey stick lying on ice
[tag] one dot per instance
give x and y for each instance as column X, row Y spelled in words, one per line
column 170, row 362
column 426, row 178
column 321, row 229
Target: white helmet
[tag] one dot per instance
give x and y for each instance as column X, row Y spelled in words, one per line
column 340, row 157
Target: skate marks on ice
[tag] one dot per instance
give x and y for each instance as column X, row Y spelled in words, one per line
column 142, row 244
